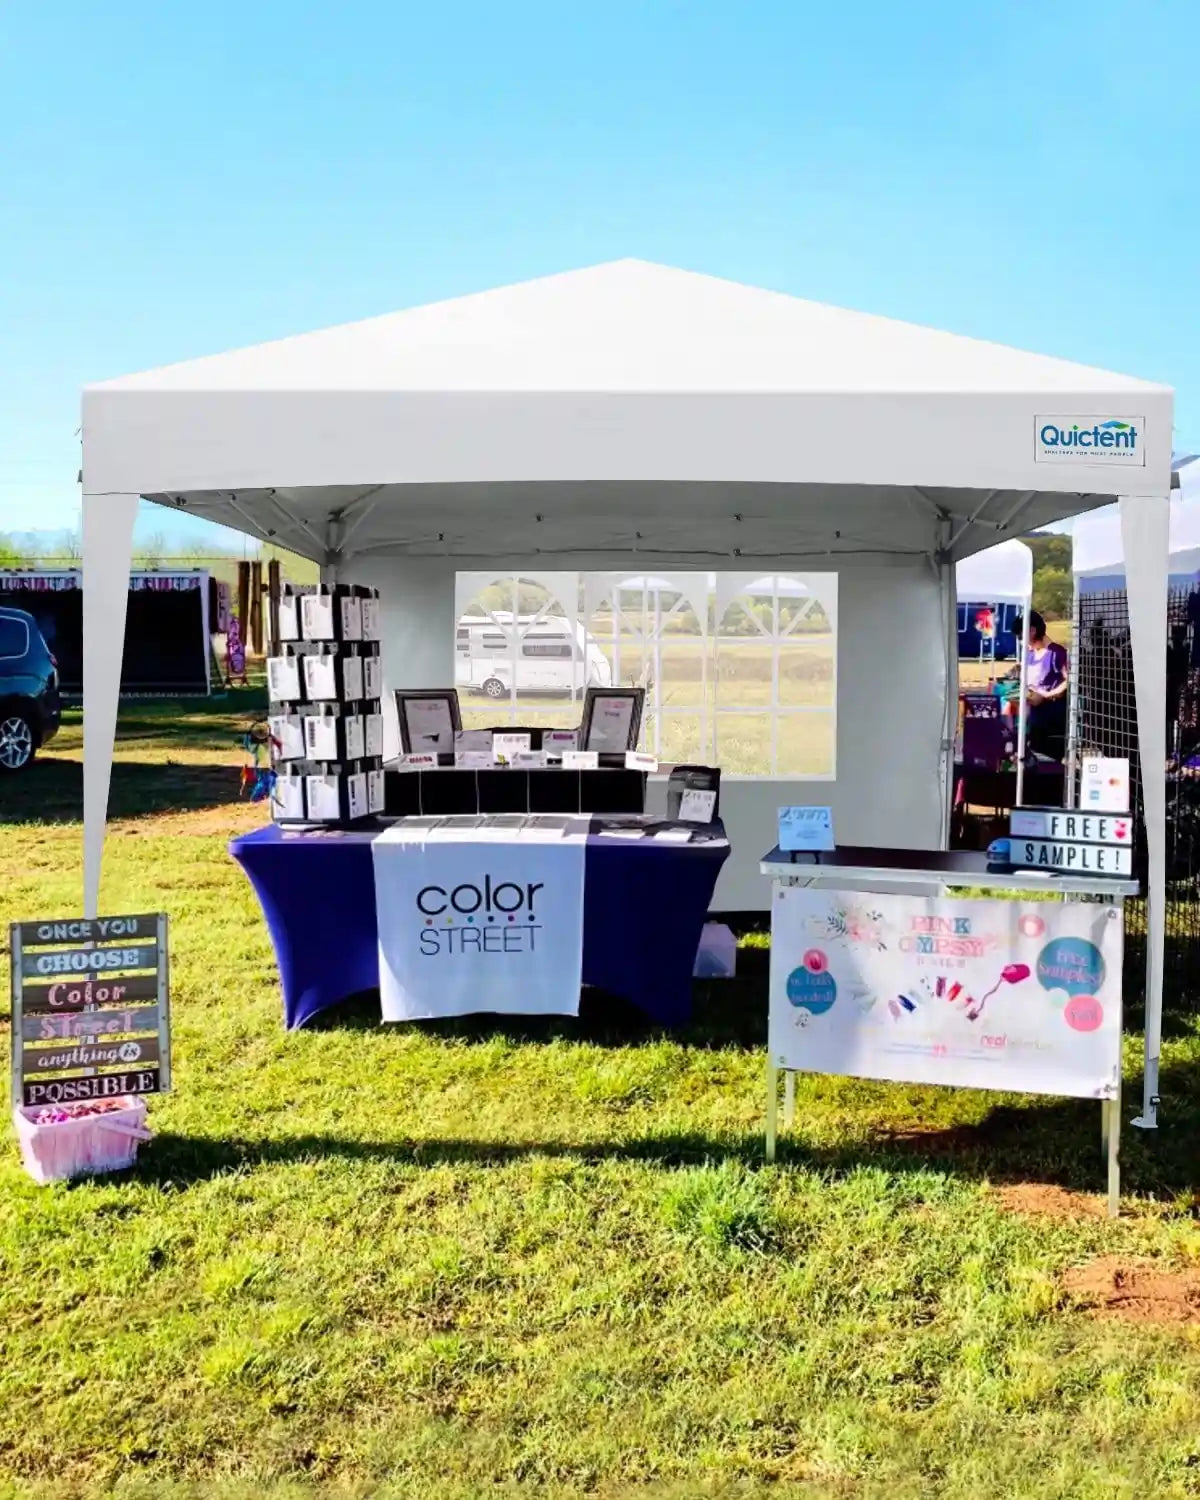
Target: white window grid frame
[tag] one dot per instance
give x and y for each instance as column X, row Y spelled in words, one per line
column 648, row 628
column 824, row 597
column 563, row 591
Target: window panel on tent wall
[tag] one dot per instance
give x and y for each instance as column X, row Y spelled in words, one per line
column 740, row 669
column 519, row 654
column 776, row 675
column 654, row 632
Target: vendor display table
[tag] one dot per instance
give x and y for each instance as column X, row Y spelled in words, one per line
column 1011, row 994
column 645, row 903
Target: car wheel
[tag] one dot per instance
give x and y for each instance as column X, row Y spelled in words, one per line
column 16, row 742
column 494, row 688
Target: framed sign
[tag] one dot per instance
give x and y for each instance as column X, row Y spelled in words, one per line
column 612, row 719
column 90, row 1009
column 429, row 720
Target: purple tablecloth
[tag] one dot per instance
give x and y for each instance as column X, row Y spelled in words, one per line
column 645, row 904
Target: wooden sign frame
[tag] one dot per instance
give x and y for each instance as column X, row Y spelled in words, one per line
column 91, row 1005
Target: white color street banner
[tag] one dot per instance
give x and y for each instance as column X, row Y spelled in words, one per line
column 479, row 920
column 982, row 994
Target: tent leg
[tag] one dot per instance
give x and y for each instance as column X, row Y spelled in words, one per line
column 1145, row 534
column 107, row 552
column 1112, row 1108
column 1148, row 1119
column 1022, row 705
column 946, row 582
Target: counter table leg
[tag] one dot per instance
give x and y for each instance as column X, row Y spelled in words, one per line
column 1114, row 1156
column 789, row 1098
column 772, row 1107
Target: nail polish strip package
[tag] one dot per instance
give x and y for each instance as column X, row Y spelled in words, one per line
column 372, row 671
column 334, row 732
column 287, row 736
column 372, row 731
column 288, row 804
column 333, row 673
column 287, row 680
column 290, row 628
column 336, row 793
column 319, row 615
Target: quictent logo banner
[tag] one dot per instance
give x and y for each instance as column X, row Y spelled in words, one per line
column 1090, row 440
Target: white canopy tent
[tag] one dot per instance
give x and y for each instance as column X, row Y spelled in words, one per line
column 1002, row 575
column 636, row 418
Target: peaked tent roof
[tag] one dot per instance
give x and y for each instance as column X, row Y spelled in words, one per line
column 631, row 325
column 629, row 408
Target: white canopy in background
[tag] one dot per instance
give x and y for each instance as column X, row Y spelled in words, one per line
column 637, row 418
column 1098, row 556
column 1001, row 575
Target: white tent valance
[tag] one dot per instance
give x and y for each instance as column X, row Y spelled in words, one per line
column 638, row 419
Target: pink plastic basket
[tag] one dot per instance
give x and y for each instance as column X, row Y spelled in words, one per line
column 94, row 1143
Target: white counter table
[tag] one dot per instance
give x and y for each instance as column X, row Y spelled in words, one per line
column 878, row 972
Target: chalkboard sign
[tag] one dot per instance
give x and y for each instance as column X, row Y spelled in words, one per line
column 90, row 1009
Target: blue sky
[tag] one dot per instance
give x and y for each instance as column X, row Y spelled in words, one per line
column 179, row 179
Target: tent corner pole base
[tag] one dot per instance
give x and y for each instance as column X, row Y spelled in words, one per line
column 1148, row 1119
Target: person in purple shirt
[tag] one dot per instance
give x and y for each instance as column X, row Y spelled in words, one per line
column 1047, row 677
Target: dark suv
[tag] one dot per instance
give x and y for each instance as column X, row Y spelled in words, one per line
column 29, row 703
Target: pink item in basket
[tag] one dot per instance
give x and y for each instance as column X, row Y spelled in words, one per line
column 69, row 1141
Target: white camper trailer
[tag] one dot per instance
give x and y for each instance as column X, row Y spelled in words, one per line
column 547, row 653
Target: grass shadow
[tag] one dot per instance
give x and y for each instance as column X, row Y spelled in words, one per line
column 145, row 778
column 51, row 790
column 727, row 1014
column 1048, row 1141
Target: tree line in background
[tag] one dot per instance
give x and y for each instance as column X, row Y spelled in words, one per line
column 1052, row 580
column 66, row 551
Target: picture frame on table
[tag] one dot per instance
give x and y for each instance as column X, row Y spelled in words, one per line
column 612, row 719
column 429, row 720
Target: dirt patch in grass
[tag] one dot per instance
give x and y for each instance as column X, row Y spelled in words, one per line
column 1044, row 1200
column 935, row 1140
column 1135, row 1291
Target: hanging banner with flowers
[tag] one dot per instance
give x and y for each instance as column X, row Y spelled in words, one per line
column 983, row 994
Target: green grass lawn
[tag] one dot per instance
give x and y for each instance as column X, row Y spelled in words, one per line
column 483, row 1259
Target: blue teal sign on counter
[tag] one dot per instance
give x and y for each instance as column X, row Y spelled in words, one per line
column 809, row 828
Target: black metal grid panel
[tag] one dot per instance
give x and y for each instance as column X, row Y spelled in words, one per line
column 1104, row 722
